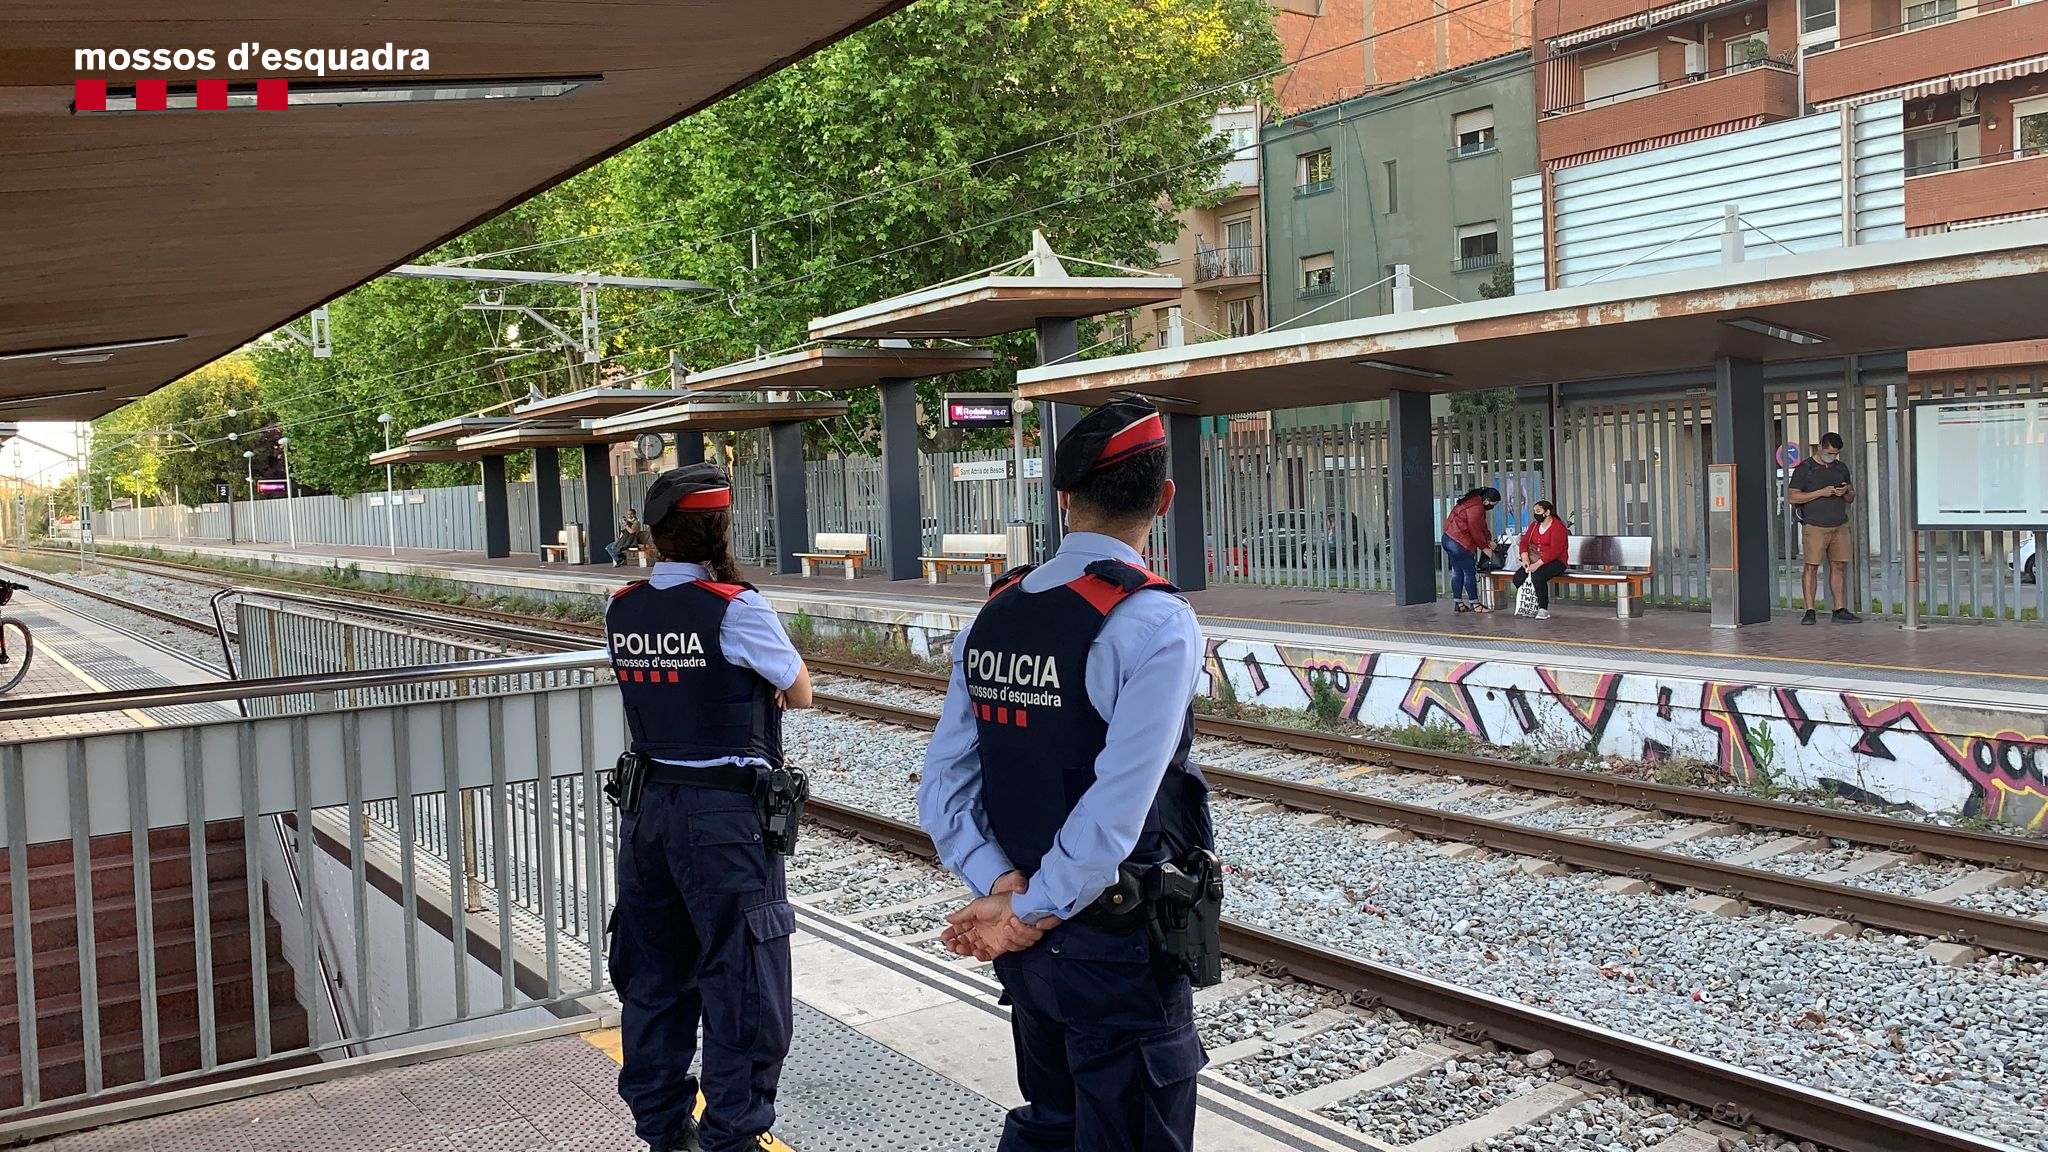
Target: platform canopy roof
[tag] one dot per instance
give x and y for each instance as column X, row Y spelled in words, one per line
column 715, row 416
column 1011, row 297
column 532, row 434
column 138, row 245
column 834, row 368
column 1977, row 286
column 421, row 454
column 589, row 403
column 456, row 427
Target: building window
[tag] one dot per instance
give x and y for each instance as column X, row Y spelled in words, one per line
column 1613, row 81
column 1169, row 251
column 1816, row 22
column 1393, row 188
column 1240, row 317
column 1749, row 51
column 1162, row 325
column 1478, row 246
column 1929, row 12
column 1313, row 172
column 1930, row 150
column 1472, row 132
column 2030, row 127
column 1319, row 274
column 1122, row 330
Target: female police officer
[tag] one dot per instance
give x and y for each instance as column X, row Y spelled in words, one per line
column 1058, row 785
column 701, row 928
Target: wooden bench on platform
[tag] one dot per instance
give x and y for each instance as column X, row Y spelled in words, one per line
column 848, row 548
column 1620, row 562
column 988, row 551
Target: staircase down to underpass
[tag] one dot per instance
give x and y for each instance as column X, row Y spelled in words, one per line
column 117, row 951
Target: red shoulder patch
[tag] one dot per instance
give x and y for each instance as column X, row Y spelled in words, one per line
column 727, row 592
column 1101, row 594
column 622, row 589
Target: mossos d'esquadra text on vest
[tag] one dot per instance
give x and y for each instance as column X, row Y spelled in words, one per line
column 1026, row 678
column 660, row 649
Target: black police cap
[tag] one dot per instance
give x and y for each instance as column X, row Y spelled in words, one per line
column 1109, row 435
column 692, row 487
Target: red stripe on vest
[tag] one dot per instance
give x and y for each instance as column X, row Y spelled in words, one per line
column 728, row 591
column 1104, row 594
column 1002, row 715
column 622, row 589
column 1020, row 719
column 674, row 676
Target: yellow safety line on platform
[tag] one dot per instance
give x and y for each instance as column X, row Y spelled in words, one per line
column 1835, row 664
column 611, row 1041
column 135, row 714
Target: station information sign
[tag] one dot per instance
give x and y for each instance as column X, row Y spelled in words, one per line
column 1981, row 463
column 978, row 410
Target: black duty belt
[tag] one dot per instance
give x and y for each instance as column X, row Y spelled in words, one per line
column 722, row 777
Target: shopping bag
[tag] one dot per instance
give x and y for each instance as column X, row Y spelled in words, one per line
column 1525, row 599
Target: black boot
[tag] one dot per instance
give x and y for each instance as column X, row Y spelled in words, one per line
column 683, row 1141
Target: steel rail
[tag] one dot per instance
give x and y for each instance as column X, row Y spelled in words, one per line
column 1776, row 889
column 1731, row 1094
column 63, row 585
column 2011, row 853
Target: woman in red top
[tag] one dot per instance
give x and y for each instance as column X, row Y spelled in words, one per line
column 1467, row 535
column 1544, row 547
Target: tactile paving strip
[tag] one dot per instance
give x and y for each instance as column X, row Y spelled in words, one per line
column 842, row 1092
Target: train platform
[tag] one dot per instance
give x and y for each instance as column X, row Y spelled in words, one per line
column 895, row 1051
column 1945, row 659
column 75, row 654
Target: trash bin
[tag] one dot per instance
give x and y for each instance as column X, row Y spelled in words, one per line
column 575, row 544
column 1019, row 533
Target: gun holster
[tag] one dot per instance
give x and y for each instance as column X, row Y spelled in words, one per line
column 627, row 781
column 780, row 798
column 1185, row 898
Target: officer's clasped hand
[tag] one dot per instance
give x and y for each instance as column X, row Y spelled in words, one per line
column 987, row 928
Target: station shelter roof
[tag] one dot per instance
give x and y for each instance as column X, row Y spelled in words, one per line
column 528, row 435
column 1976, row 286
column 836, row 368
column 590, row 403
column 456, row 427
column 421, row 454
column 721, row 415
column 1011, row 297
column 253, row 217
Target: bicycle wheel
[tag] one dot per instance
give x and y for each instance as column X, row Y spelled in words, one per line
column 20, row 648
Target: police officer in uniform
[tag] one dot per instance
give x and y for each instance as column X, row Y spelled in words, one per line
column 702, row 924
column 1058, row 786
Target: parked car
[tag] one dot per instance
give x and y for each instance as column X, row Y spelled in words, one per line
column 1295, row 537
column 2024, row 561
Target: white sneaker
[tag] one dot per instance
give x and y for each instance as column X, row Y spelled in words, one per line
column 1543, row 613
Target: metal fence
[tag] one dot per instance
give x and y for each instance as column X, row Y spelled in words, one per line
column 251, row 868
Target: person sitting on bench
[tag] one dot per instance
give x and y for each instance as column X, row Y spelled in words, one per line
column 1543, row 548
column 632, row 534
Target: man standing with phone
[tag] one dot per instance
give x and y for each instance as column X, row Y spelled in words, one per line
column 1821, row 492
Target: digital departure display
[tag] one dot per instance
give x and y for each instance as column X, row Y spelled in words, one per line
column 978, row 410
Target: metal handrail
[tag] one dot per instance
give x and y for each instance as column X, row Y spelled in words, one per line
column 84, row 703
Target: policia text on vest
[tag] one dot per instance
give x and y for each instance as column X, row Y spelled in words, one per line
column 1057, row 785
column 708, row 809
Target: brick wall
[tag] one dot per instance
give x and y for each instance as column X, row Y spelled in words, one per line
column 1997, row 189
column 1731, row 98
column 1410, row 39
column 1926, row 53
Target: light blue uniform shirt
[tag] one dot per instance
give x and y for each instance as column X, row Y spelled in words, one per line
column 751, row 637
column 1141, row 676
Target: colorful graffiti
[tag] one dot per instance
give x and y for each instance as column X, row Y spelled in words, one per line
column 1938, row 756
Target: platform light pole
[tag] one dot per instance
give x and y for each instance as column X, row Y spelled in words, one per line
column 1020, row 527
column 390, row 523
column 291, row 512
column 249, row 475
column 227, row 489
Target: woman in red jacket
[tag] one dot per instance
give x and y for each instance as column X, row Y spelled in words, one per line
column 1544, row 547
column 1468, row 534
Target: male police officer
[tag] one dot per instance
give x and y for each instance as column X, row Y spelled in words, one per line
column 702, row 924
column 1057, row 785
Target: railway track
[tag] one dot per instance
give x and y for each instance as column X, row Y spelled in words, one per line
column 1727, row 1093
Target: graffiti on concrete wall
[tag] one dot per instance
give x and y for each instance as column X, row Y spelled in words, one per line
column 1939, row 756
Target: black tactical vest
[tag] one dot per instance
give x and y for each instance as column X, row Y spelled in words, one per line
column 1026, row 667
column 684, row 699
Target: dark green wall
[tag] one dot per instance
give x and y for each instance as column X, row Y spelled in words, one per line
column 1411, row 126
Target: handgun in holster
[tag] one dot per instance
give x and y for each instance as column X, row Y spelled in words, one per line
column 1186, row 900
column 782, row 795
column 628, row 779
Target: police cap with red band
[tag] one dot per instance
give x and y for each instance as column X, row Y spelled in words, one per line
column 1109, row 435
column 692, row 488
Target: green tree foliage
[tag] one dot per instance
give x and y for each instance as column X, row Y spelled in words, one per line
column 780, row 198
column 175, row 441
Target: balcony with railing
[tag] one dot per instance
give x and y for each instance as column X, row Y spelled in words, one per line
column 1930, row 42
column 1956, row 191
column 1226, row 267
column 1754, row 91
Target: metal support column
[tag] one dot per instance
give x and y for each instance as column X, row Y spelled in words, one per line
column 497, row 509
column 902, row 514
column 599, row 518
column 1059, row 340
column 547, row 495
column 1186, row 550
column 1410, row 498
column 1740, row 592
column 786, row 464
column 689, row 448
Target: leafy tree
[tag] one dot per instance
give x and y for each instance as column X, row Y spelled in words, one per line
column 176, row 440
column 922, row 96
column 1500, row 284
